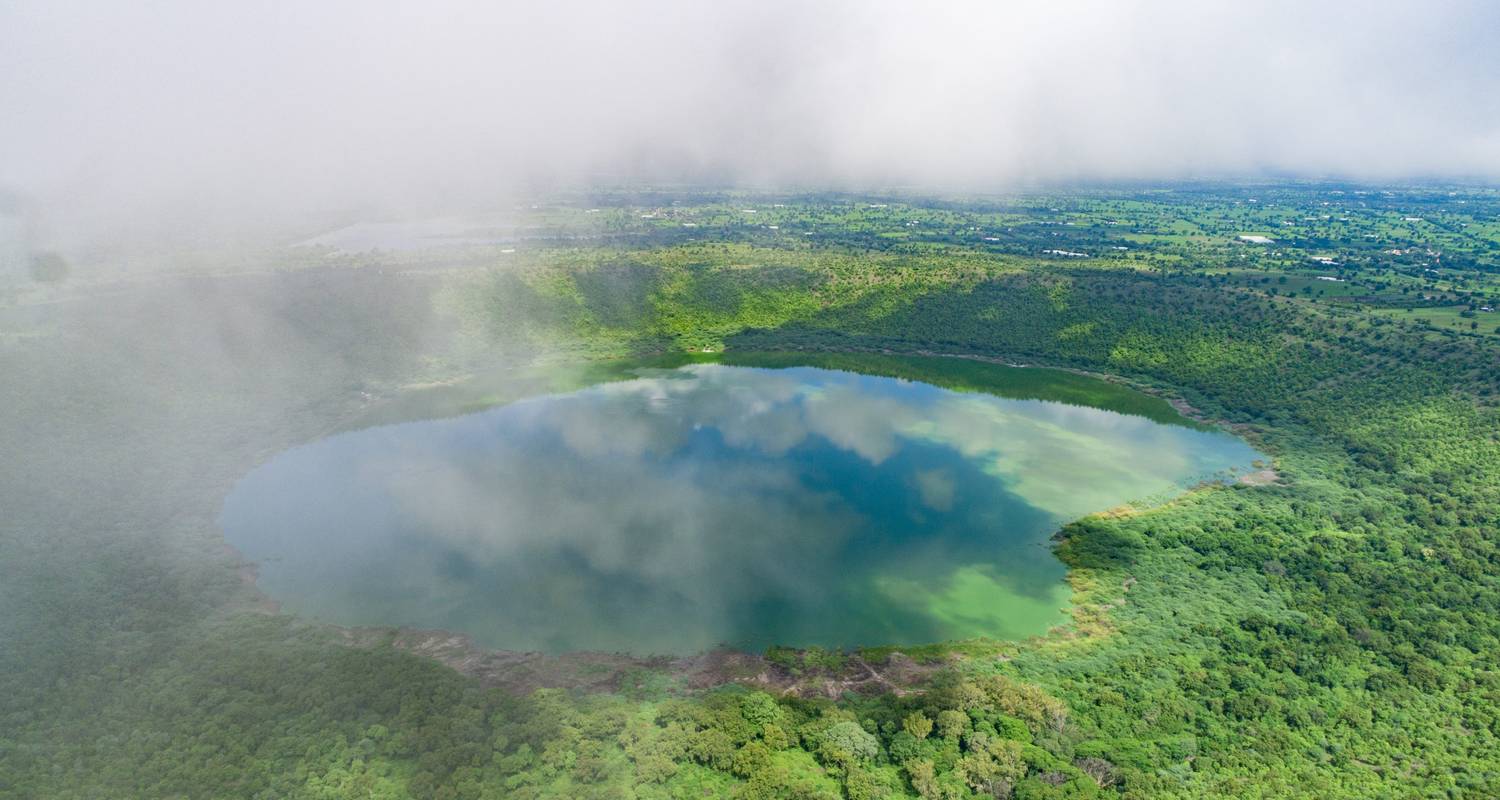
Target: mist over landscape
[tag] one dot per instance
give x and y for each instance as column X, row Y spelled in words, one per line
column 235, row 116
column 463, row 401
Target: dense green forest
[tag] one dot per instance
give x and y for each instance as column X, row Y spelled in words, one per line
column 1331, row 633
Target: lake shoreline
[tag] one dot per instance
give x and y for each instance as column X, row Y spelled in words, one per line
column 602, row 671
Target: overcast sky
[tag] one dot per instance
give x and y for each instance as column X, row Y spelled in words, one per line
column 170, row 104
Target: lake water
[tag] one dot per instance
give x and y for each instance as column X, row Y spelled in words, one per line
column 684, row 508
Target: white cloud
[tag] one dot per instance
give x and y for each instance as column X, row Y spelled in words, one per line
column 250, row 108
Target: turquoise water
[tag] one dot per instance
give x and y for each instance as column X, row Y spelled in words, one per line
column 707, row 505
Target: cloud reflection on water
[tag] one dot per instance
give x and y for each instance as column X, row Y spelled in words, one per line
column 707, row 504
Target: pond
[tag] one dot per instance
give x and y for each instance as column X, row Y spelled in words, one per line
column 683, row 508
